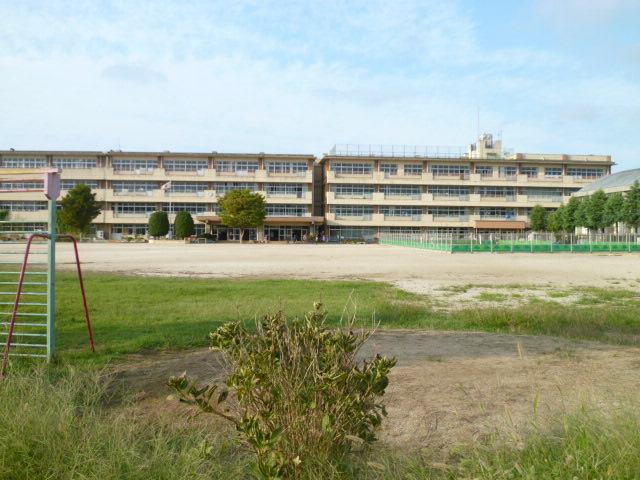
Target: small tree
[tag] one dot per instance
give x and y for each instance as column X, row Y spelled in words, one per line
column 595, row 214
column 554, row 220
column 539, row 218
column 631, row 208
column 184, row 225
column 301, row 395
column 568, row 215
column 581, row 213
column 78, row 209
column 614, row 210
column 242, row 209
column 158, row 224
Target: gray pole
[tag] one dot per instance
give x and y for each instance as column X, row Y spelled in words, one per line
column 51, row 281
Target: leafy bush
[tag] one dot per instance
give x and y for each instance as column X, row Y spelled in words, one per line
column 184, row 225
column 78, row 208
column 4, row 214
column 303, row 399
column 158, row 224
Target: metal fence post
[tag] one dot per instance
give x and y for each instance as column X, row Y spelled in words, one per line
column 51, row 281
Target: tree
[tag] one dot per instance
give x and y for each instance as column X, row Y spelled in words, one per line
column 158, row 224
column 539, row 219
column 554, row 220
column 614, row 210
column 78, row 209
column 581, row 213
column 568, row 215
column 595, row 215
column 631, row 208
column 184, row 225
column 242, row 209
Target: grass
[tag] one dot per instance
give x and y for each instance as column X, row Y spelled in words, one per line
column 137, row 314
column 54, row 424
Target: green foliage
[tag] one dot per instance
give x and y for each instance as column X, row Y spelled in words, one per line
column 4, row 215
column 539, row 218
column 78, row 209
column 581, row 213
column 595, row 210
column 631, row 208
column 614, row 209
column 554, row 220
column 158, row 224
column 242, row 209
column 568, row 216
column 304, row 398
column 184, row 225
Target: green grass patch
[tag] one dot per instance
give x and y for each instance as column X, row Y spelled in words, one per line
column 492, row 297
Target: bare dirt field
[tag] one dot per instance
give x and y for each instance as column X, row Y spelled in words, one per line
column 416, row 270
column 448, row 387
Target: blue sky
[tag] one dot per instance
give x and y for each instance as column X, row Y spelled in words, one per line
column 281, row 76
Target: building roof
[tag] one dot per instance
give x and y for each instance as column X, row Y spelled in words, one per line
column 618, row 182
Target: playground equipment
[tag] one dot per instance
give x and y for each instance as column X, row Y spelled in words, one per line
column 29, row 328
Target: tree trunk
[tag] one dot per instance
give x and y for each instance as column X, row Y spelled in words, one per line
column 241, row 235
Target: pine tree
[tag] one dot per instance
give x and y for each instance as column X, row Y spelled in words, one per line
column 184, row 225
column 78, row 209
column 158, row 224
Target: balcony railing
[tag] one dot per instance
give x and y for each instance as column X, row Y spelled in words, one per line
column 463, row 197
column 136, row 193
column 134, row 171
column 413, row 218
column 451, row 218
column 365, row 216
column 403, row 151
column 544, row 198
column 499, row 198
column 354, row 196
column 403, row 196
column 237, row 173
column 353, row 174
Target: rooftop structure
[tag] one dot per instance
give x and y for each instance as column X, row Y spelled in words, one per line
column 618, row 182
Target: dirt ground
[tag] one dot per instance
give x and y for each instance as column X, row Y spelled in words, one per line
column 448, row 387
column 415, row 270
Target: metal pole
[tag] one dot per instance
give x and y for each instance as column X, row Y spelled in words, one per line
column 51, row 281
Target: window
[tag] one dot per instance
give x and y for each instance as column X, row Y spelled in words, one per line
column 413, row 213
column 585, row 173
column 408, row 191
column 222, row 188
column 22, row 206
column 497, row 212
column 299, row 168
column 75, row 163
column 497, row 192
column 187, row 187
column 484, row 171
column 28, row 185
column 134, row 209
column 449, row 191
column 550, row 194
column 133, row 229
column 134, row 187
column 192, row 208
column 352, row 168
column 553, row 172
column 409, row 230
column 185, row 165
column 362, row 212
column 450, row 170
column 508, row 172
column 128, row 165
column 285, row 190
column 451, row 213
column 389, row 169
column 277, row 210
column 412, row 169
column 352, row 233
column 23, row 162
column 69, row 184
column 353, row 191
column 239, row 167
column 530, row 172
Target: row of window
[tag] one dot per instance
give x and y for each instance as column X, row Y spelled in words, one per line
column 356, row 191
column 366, row 212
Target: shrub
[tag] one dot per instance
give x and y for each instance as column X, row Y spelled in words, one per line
column 184, row 225
column 303, row 399
column 4, row 214
column 158, row 224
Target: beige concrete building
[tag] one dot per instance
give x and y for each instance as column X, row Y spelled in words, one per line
column 132, row 185
column 373, row 189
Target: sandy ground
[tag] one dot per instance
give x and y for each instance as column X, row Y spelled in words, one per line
column 415, row 270
column 448, row 387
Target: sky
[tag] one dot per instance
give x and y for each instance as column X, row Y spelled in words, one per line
column 556, row 76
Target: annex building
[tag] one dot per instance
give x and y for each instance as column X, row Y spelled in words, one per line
column 353, row 192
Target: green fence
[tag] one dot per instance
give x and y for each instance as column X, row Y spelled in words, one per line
column 451, row 245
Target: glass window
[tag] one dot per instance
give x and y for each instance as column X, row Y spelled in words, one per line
column 363, row 212
column 484, row 170
column 222, row 188
column 497, row 212
column 553, row 172
column 287, row 167
column 192, row 208
column 551, row 194
column 458, row 213
column 352, row 191
column 399, row 211
column 137, row 209
column 63, row 163
column 133, row 186
column 585, row 173
column 447, row 191
column 131, row 165
column 412, row 169
column 449, row 170
column 389, row 168
column 28, row 185
column 497, row 192
column 185, row 165
column 508, row 171
column 530, row 172
column 23, row 162
column 22, row 206
column 342, row 168
column 284, row 210
column 238, row 167
column 187, row 187
column 409, row 191
column 69, row 184
column 285, row 190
